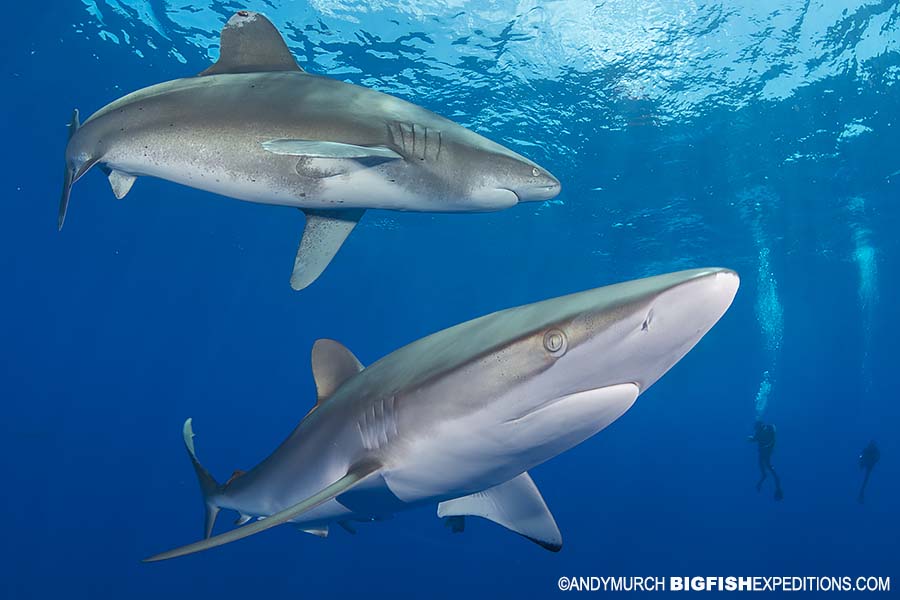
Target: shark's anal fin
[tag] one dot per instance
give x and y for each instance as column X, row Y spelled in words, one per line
column 516, row 505
column 323, row 236
column 321, row 532
column 354, row 477
column 251, row 44
column 332, row 365
column 121, row 183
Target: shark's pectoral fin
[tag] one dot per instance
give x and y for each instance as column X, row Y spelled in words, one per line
column 354, row 477
column 251, row 44
column 516, row 505
column 324, row 149
column 323, row 236
column 121, row 183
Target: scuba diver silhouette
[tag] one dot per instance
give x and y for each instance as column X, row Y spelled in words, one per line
column 867, row 460
column 764, row 436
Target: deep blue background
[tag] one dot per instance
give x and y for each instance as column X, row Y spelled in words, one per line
column 176, row 303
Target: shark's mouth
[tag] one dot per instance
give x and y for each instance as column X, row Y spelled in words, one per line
column 610, row 394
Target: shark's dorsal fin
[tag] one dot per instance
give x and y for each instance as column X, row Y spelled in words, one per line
column 332, row 365
column 251, row 44
column 516, row 505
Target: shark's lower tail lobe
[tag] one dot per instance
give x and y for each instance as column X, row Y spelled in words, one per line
column 208, row 486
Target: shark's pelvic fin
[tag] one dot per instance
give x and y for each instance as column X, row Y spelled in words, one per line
column 324, row 149
column 121, row 183
column 321, row 532
column 208, row 486
column 354, row 476
column 242, row 519
column 516, row 505
column 348, row 527
column 251, row 44
column 323, row 236
column 332, row 365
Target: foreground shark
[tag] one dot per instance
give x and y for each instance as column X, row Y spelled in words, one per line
column 256, row 127
column 459, row 417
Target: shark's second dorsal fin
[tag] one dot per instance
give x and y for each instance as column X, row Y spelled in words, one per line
column 251, row 44
column 332, row 365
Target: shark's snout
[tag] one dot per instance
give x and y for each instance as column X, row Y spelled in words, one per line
column 677, row 317
column 543, row 186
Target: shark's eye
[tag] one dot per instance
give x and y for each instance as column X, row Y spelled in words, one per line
column 555, row 342
column 535, row 172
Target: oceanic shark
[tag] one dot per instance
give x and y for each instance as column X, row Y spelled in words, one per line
column 459, row 417
column 254, row 126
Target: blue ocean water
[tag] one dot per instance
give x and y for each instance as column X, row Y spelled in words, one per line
column 758, row 135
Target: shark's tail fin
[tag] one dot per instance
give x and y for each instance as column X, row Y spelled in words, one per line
column 69, row 177
column 208, row 486
column 73, row 171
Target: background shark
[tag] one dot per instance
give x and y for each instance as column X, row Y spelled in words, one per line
column 255, row 127
column 457, row 418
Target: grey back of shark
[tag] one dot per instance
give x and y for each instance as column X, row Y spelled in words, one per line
column 256, row 127
column 459, row 417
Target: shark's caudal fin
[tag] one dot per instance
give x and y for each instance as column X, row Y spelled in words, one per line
column 323, row 236
column 354, row 476
column 516, row 505
column 72, row 173
column 208, row 486
column 69, row 177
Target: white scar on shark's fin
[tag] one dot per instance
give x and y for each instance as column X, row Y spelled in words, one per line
column 325, row 149
column 321, row 532
column 332, row 365
column 353, row 478
column 251, row 44
column 516, row 505
column 323, row 236
column 121, row 183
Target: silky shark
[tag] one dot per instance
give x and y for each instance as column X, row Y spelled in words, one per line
column 254, row 126
column 459, row 417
